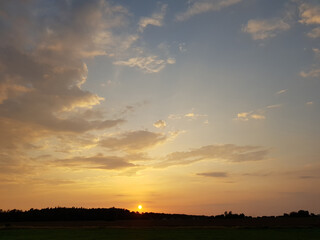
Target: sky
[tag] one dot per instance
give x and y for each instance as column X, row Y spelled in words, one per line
column 196, row 107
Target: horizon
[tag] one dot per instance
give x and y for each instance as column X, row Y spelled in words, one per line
column 139, row 211
column 191, row 107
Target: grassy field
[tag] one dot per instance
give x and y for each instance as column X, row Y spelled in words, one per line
column 159, row 233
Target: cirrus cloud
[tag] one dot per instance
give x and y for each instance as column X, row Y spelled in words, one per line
column 203, row 6
column 226, row 152
column 95, row 162
column 148, row 64
column 213, row 174
column 155, row 20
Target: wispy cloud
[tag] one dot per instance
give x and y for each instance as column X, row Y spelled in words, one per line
column 203, row 6
column 315, row 33
column 140, row 57
column 282, row 91
column 214, row 174
column 134, row 141
column 259, row 114
column 155, row 20
column 261, row 29
column 313, row 73
column 182, row 47
column 160, row 124
column 246, row 116
column 316, row 51
column 274, row 106
column 226, row 152
column 150, row 64
column 189, row 116
column 95, row 162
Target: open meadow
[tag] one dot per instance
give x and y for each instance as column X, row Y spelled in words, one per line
column 160, row 233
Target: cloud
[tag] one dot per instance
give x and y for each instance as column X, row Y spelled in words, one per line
column 265, row 28
column 313, row 73
column 95, row 162
column 309, row 13
column 257, row 116
column 134, row 141
column 307, row 177
column 182, row 47
column 16, row 163
column 160, row 124
column 194, row 116
column 10, row 90
column 245, row 116
column 155, row 20
column 203, row 6
column 175, row 116
column 149, row 64
column 189, row 116
column 309, row 103
column 171, row 60
column 274, row 106
column 315, row 33
column 43, row 70
column 257, row 174
column 316, row 51
column 43, row 105
column 282, row 91
column 214, row 174
column 225, row 152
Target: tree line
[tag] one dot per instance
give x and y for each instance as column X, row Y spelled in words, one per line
column 113, row 214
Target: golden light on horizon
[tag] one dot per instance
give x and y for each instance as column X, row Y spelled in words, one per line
column 140, row 207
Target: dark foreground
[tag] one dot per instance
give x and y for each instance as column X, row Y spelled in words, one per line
column 183, row 233
column 118, row 224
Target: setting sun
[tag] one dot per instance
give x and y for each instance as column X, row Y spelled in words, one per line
column 140, row 207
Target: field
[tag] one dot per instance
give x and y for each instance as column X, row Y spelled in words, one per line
column 160, row 233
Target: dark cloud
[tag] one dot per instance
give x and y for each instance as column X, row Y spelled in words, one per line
column 258, row 174
column 307, row 177
column 213, row 174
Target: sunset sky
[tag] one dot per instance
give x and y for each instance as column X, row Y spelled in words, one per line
column 184, row 106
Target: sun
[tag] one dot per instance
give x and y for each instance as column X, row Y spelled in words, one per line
column 140, row 207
